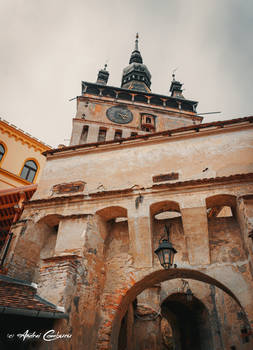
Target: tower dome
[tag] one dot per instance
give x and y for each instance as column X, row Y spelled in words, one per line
column 136, row 75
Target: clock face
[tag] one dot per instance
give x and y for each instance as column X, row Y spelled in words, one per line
column 119, row 114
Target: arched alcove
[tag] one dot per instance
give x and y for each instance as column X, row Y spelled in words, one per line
column 112, row 212
column 167, row 213
column 216, row 204
column 113, row 225
column 224, row 231
column 46, row 231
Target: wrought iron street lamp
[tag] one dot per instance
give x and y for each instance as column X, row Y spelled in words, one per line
column 166, row 251
column 189, row 294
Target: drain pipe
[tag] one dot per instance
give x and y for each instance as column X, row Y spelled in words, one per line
column 32, row 313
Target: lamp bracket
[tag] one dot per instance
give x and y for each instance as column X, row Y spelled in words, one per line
column 167, row 231
column 185, row 285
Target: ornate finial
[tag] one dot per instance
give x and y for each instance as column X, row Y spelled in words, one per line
column 105, row 66
column 136, row 42
column 173, row 73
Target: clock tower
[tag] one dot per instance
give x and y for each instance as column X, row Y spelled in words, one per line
column 106, row 113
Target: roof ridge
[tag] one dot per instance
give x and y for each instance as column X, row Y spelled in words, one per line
column 18, row 281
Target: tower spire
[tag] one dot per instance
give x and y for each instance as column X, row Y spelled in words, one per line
column 136, row 55
column 136, row 42
column 136, row 75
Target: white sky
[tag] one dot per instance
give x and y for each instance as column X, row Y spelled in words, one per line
column 49, row 46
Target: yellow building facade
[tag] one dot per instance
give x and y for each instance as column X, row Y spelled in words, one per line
column 21, row 163
column 21, row 160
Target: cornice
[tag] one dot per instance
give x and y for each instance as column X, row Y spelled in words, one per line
column 14, row 177
column 140, row 105
column 20, row 135
column 146, row 93
column 132, row 191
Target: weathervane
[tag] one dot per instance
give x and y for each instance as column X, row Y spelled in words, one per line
column 173, row 73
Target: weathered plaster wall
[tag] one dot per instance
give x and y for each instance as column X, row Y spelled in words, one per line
column 93, row 114
column 203, row 156
column 225, row 241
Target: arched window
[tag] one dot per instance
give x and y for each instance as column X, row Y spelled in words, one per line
column 2, row 151
column 29, row 170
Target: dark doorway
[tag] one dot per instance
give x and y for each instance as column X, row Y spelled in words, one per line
column 189, row 321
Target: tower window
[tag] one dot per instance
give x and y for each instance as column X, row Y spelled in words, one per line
column 2, row 151
column 101, row 134
column 29, row 170
column 84, row 134
column 148, row 122
column 118, row 135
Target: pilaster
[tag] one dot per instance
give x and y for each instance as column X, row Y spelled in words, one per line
column 140, row 235
column 196, row 232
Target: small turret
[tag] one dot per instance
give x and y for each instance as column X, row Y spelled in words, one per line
column 103, row 76
column 176, row 88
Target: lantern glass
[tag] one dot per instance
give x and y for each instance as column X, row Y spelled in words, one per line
column 165, row 253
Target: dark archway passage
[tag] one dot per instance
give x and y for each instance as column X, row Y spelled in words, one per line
column 153, row 279
column 180, row 325
column 189, row 321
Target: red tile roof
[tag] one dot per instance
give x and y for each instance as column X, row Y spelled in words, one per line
column 19, row 297
column 9, row 199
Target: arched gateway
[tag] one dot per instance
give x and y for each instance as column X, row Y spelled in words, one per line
column 192, row 315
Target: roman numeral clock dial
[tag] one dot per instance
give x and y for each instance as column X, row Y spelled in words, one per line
column 119, row 114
